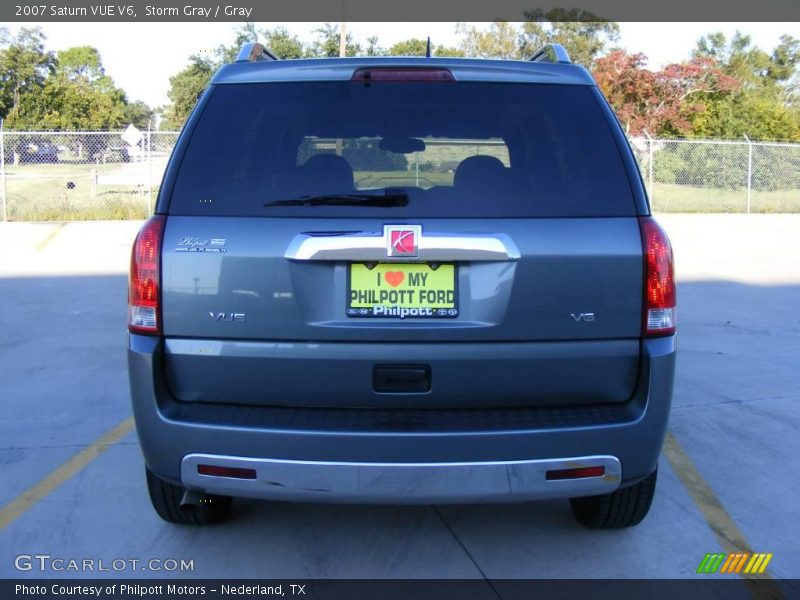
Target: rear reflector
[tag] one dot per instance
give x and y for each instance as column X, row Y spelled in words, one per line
column 143, row 282
column 368, row 74
column 217, row 471
column 659, row 280
column 575, row 473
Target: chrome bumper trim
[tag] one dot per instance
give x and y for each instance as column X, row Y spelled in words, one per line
column 432, row 247
column 401, row 483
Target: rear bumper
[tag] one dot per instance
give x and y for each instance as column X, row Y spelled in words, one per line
column 364, row 455
column 501, row 481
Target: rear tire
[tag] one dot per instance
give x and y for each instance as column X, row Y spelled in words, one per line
column 166, row 499
column 623, row 508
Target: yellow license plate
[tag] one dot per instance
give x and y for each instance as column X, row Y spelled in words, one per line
column 402, row 291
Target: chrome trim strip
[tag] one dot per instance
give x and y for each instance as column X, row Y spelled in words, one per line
column 405, row 483
column 372, row 247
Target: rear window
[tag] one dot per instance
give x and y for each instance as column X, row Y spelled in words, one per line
column 477, row 150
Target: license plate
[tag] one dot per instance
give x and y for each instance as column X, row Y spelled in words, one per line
column 402, row 291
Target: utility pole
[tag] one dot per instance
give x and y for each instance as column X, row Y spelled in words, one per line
column 342, row 53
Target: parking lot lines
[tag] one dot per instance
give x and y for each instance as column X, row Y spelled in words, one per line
column 721, row 523
column 17, row 507
column 51, row 236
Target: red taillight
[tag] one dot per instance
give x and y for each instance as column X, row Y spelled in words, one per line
column 659, row 280
column 143, row 293
column 575, row 473
column 235, row 472
column 368, row 74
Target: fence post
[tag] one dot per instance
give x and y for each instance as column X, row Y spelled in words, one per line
column 749, row 171
column 3, row 171
column 649, row 166
column 149, row 168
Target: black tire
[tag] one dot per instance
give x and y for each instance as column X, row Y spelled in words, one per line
column 166, row 499
column 625, row 507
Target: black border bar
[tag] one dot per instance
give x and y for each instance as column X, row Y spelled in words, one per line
column 33, row 11
column 699, row 586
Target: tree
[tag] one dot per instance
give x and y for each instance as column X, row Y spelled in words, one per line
column 373, row 49
column 500, row 40
column 765, row 106
column 139, row 114
column 418, row 47
column 81, row 63
column 411, row 47
column 75, row 94
column 583, row 34
column 278, row 40
column 326, row 43
column 663, row 102
column 282, row 43
column 184, row 90
column 24, row 66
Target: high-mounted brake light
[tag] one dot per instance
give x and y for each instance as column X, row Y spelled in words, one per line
column 369, row 74
column 143, row 283
column 659, row 280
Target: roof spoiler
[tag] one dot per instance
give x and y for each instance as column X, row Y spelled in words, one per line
column 552, row 53
column 253, row 52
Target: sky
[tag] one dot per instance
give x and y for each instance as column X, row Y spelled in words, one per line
column 141, row 57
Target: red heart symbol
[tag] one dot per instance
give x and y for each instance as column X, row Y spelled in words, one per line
column 394, row 278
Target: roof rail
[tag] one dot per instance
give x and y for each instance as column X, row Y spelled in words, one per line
column 552, row 53
column 253, row 51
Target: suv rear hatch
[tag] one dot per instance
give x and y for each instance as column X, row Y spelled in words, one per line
column 300, row 211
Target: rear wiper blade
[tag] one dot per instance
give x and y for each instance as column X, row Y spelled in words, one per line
column 388, row 199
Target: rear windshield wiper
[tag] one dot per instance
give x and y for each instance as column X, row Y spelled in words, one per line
column 387, row 199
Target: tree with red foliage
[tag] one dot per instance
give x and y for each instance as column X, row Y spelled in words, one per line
column 661, row 102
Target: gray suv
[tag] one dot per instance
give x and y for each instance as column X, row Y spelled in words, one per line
column 402, row 280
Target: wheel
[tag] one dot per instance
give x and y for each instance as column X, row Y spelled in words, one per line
column 623, row 508
column 166, row 499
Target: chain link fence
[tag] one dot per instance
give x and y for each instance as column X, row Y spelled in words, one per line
column 719, row 176
column 83, row 175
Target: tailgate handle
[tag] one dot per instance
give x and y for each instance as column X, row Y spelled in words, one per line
column 373, row 247
column 414, row 379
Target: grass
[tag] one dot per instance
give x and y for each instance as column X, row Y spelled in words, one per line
column 64, row 192
column 668, row 198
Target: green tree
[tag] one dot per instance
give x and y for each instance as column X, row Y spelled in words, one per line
column 81, row 63
column 277, row 39
column 326, row 43
column 500, row 40
column 765, row 105
column 583, row 34
column 185, row 88
column 412, row 47
column 418, row 47
column 373, row 49
column 75, row 94
column 282, row 43
column 24, row 66
column 139, row 114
